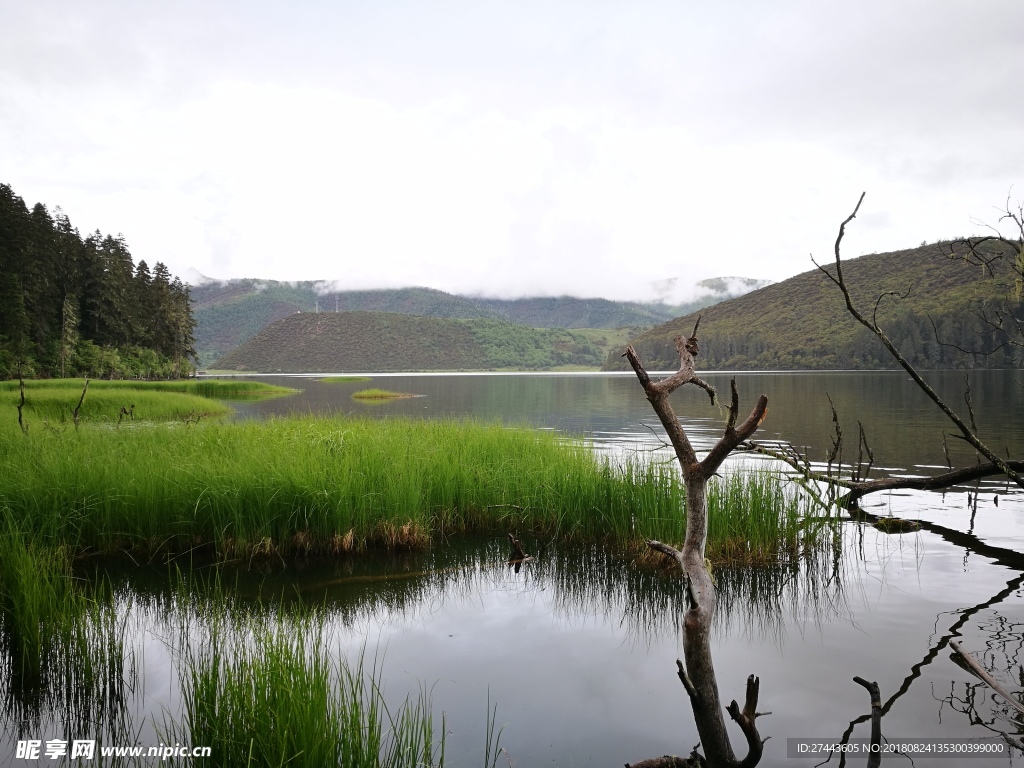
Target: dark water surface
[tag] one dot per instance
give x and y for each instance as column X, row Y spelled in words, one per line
column 578, row 648
column 588, row 685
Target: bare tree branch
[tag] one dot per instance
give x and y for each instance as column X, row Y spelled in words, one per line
column 696, row 670
column 970, row 435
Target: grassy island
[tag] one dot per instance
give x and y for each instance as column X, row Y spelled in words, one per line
column 379, row 394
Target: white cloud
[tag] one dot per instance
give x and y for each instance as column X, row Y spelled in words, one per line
column 510, row 148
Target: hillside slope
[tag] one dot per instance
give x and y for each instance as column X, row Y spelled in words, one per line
column 230, row 312
column 386, row 341
column 802, row 322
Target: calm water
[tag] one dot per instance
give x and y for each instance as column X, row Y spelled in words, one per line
column 578, row 649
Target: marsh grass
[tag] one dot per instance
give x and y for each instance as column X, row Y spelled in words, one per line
column 755, row 517
column 758, row 517
column 218, row 388
column 344, row 379
column 264, row 690
column 49, row 402
column 266, row 489
column 62, row 650
column 259, row 490
column 375, row 393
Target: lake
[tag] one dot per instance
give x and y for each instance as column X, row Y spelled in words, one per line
column 577, row 649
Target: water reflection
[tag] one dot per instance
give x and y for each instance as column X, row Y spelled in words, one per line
column 82, row 681
column 572, row 596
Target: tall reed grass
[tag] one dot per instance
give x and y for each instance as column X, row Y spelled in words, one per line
column 61, row 650
column 219, row 388
column 268, row 694
column 315, row 485
column 262, row 688
column 321, row 485
column 49, row 403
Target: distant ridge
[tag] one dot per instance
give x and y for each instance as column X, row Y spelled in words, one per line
column 387, row 341
column 802, row 322
column 230, row 312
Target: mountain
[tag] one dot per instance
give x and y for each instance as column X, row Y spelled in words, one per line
column 572, row 312
column 387, row 341
column 230, row 312
column 802, row 322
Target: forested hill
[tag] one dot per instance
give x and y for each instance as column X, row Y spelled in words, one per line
column 73, row 306
column 230, row 312
column 387, row 341
column 802, row 322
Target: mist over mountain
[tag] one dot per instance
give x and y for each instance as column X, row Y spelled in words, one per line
column 935, row 304
column 230, row 312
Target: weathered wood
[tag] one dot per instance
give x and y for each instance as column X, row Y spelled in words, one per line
column 517, row 549
column 696, row 670
column 981, row 672
column 857, row 489
column 968, row 432
column 668, row 761
column 875, row 758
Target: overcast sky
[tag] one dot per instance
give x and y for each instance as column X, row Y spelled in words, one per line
column 511, row 148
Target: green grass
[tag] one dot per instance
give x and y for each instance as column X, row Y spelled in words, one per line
column 756, row 517
column 260, row 685
column 344, row 379
column 313, row 484
column 379, row 394
column 316, row 485
column 216, row 388
column 265, row 692
column 62, row 649
column 49, row 403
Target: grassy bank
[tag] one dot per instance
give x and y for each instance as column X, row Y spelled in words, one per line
column 327, row 486
column 50, row 403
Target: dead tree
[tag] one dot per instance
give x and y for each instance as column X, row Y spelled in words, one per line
column 696, row 671
column 990, row 463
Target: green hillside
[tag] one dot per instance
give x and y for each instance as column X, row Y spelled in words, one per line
column 387, row 341
column 802, row 323
column 229, row 313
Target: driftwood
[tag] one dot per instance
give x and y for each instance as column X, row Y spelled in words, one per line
column 518, row 554
column 696, row 670
column 21, row 403
column 981, row 672
column 74, row 413
column 668, row 761
column 875, row 758
column 857, row 489
column 966, row 428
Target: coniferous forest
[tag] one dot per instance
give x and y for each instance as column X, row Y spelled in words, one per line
column 73, row 306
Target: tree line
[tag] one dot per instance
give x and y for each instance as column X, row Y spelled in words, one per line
column 958, row 338
column 73, row 306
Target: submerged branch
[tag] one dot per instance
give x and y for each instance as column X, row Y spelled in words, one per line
column 981, row 672
column 875, row 758
column 857, row 489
